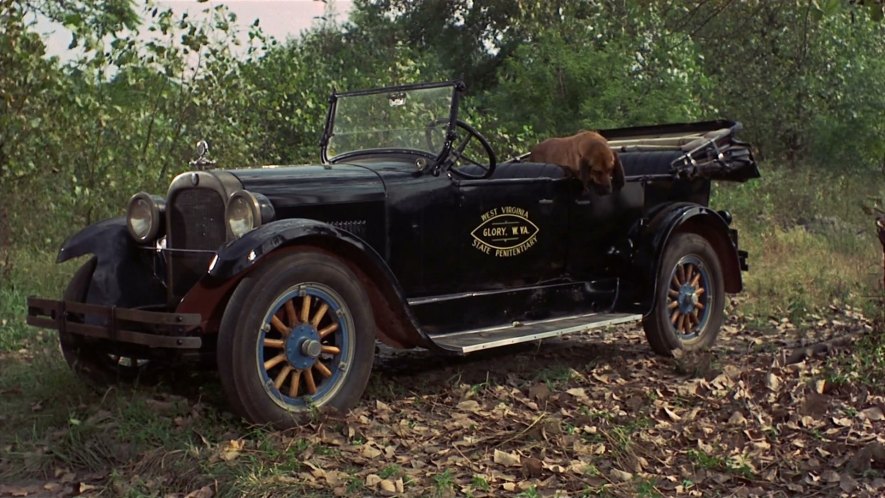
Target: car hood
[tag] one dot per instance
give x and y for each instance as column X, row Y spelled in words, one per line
column 314, row 184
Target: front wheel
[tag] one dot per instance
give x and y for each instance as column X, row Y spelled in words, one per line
column 690, row 297
column 297, row 334
column 93, row 363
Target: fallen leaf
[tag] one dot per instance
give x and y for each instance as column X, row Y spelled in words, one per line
column 531, row 467
column 830, row 476
column 772, row 381
column 674, row 417
column 369, row 451
column 387, row 486
column 737, row 418
column 539, row 392
column 469, row 405
column 842, row 422
column 620, row 475
column 506, row 459
column 15, row 490
column 232, row 449
column 872, row 413
column 204, row 492
column 847, row 483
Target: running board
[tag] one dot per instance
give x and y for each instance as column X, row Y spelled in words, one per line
column 504, row 335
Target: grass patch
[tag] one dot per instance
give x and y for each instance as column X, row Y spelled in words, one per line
column 863, row 366
column 26, row 273
column 718, row 463
column 810, row 242
column 555, row 376
column 443, row 484
column 647, row 488
column 480, row 483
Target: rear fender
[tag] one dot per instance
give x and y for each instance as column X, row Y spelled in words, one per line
column 395, row 324
column 124, row 272
column 680, row 218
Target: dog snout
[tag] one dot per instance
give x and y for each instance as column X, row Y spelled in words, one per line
column 603, row 189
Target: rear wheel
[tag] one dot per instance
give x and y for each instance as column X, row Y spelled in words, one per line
column 690, row 297
column 297, row 334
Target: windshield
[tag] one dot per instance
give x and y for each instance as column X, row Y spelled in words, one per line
column 402, row 118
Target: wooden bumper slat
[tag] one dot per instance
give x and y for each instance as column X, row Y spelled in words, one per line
column 51, row 314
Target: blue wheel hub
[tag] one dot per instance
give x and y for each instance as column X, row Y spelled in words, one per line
column 687, row 299
column 303, row 346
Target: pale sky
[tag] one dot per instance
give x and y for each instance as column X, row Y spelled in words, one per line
column 279, row 18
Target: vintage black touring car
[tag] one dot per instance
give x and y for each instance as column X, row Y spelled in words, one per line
column 410, row 232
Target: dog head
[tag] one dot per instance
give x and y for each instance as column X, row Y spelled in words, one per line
column 602, row 168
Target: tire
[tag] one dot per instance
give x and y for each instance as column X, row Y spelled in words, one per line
column 297, row 335
column 690, row 297
column 96, row 366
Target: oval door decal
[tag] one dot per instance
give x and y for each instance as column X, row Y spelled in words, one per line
column 505, row 231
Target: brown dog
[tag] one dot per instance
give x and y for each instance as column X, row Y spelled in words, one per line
column 588, row 156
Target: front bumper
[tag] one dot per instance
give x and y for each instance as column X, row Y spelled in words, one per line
column 119, row 325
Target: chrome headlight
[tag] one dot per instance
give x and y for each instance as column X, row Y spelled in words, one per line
column 144, row 216
column 247, row 211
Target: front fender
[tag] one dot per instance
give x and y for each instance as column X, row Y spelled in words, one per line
column 124, row 272
column 396, row 325
column 94, row 239
column 241, row 254
column 685, row 217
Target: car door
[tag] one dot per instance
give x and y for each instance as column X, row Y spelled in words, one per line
column 497, row 233
column 598, row 228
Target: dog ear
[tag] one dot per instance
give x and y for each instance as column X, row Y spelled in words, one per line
column 584, row 169
column 618, row 179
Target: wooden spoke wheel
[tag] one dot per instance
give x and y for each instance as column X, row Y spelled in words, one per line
column 687, row 297
column 690, row 297
column 306, row 342
column 297, row 334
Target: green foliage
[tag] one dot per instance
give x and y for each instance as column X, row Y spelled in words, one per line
column 805, row 77
column 590, row 74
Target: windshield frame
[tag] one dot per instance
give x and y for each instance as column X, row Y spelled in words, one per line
column 458, row 88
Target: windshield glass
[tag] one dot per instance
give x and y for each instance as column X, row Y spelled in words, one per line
column 404, row 119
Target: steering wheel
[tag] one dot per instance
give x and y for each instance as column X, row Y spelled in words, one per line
column 460, row 160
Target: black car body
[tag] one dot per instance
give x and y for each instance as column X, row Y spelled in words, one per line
column 409, row 232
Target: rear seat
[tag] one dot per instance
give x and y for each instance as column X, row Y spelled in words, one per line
column 639, row 159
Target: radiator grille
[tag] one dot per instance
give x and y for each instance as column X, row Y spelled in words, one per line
column 196, row 222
